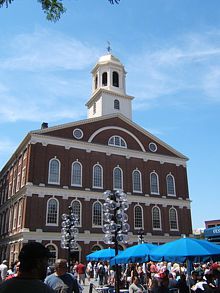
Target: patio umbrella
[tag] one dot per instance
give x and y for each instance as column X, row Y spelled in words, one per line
column 137, row 253
column 185, row 249
column 103, row 254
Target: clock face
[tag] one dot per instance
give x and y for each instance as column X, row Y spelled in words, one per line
column 152, row 147
column 77, row 133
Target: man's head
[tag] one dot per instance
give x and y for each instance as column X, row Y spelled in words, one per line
column 33, row 259
column 61, row 266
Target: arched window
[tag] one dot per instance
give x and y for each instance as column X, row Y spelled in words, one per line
column 118, row 178
column 97, row 176
column 116, row 104
column 156, row 218
column 138, row 217
column 15, row 216
column 52, row 212
column 76, row 176
column 97, row 214
column 170, row 185
column 96, row 247
column 136, row 180
column 154, row 184
column 53, row 253
column 94, row 108
column 115, row 79
column 76, row 207
column 117, row 141
column 173, row 219
column 54, row 171
column 104, row 78
column 96, row 81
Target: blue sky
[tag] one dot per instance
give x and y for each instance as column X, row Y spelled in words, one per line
column 171, row 51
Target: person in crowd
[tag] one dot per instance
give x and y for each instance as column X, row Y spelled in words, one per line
column 192, row 280
column 3, row 270
column 134, row 288
column 81, row 270
column 141, row 275
column 89, row 270
column 172, row 281
column 101, row 273
column 15, row 272
column 163, row 282
column 182, row 284
column 61, row 280
column 33, row 259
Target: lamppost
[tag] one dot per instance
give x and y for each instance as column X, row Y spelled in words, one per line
column 140, row 236
column 116, row 227
column 69, row 233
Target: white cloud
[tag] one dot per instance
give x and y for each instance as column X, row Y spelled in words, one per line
column 46, row 50
column 187, row 66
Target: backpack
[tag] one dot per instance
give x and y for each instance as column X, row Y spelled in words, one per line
column 101, row 271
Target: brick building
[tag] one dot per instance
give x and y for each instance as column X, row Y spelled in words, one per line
column 76, row 162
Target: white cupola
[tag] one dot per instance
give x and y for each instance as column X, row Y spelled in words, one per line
column 109, row 89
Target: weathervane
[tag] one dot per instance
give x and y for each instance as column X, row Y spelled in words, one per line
column 109, row 47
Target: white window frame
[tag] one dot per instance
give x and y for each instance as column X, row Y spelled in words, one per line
column 20, row 206
column 116, row 138
column 55, row 250
column 49, row 172
column 142, row 217
column 158, row 187
column 15, row 216
column 80, row 211
column 101, row 177
column 72, row 183
column 176, row 215
column 154, row 228
column 121, row 172
column 47, row 212
column 93, row 205
column 174, row 185
column 140, row 181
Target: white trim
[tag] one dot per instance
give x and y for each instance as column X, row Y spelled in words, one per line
column 137, row 191
column 177, row 222
column 93, row 186
column 81, row 132
column 121, row 117
column 83, row 145
column 117, row 128
column 94, row 195
column 156, row 229
column 142, row 216
column 122, row 183
column 71, row 179
column 59, row 166
column 57, row 219
column 55, row 248
column 93, row 225
column 120, row 139
column 158, row 187
column 80, row 211
column 174, row 185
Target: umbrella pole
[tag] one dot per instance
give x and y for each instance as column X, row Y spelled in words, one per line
column 117, row 277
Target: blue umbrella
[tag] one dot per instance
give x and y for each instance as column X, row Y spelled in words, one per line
column 104, row 254
column 137, row 253
column 185, row 249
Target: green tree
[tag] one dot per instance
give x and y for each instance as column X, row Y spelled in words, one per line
column 53, row 8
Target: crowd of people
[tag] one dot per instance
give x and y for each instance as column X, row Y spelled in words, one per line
column 32, row 274
column 161, row 277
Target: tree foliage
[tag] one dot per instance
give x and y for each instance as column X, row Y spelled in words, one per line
column 53, row 8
